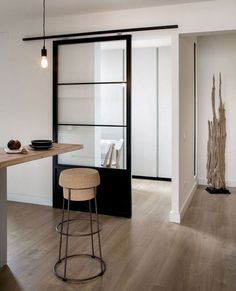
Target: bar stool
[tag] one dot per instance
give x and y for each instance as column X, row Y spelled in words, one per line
column 79, row 184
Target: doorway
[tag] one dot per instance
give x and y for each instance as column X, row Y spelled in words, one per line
column 92, row 105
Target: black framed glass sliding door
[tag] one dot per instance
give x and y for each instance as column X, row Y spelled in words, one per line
column 92, row 106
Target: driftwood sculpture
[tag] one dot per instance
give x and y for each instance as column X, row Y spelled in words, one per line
column 216, row 146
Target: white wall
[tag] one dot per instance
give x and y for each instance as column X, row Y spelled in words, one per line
column 26, row 113
column 217, row 53
column 192, row 17
column 187, row 183
column 164, row 112
column 31, row 92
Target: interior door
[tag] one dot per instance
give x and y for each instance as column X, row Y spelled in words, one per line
column 92, row 106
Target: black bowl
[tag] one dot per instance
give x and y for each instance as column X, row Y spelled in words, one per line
column 41, row 142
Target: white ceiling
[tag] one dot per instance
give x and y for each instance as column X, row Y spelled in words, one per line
column 33, row 8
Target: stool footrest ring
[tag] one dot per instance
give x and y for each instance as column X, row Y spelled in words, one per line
column 74, row 280
column 58, row 228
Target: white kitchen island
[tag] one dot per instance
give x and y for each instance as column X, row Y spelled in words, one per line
column 7, row 160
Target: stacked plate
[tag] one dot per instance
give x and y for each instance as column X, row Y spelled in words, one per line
column 41, row 144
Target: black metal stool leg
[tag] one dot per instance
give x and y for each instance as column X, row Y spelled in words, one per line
column 67, row 232
column 91, row 227
column 62, row 219
column 99, row 239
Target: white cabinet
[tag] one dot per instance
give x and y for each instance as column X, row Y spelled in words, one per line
column 151, row 112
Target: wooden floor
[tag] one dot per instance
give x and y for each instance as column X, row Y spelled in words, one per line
column 145, row 253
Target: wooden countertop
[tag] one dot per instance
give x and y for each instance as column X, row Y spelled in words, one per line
column 7, row 160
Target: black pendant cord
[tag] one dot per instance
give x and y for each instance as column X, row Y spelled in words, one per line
column 44, row 14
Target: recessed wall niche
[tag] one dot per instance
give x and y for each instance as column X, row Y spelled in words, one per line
column 216, row 53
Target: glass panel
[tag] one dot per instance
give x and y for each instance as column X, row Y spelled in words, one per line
column 92, row 62
column 93, row 104
column 103, row 146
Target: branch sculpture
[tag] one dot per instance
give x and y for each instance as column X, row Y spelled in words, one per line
column 216, row 146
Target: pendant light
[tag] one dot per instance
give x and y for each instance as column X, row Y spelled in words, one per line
column 44, row 60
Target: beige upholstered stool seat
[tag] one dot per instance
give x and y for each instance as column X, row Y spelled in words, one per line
column 81, row 182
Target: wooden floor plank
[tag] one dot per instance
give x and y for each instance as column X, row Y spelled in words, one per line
column 145, row 253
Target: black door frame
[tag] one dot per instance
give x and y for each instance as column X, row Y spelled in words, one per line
column 114, row 193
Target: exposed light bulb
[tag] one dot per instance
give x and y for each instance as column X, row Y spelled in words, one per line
column 44, row 60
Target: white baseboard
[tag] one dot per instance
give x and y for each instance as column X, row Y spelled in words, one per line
column 229, row 183
column 202, row 181
column 40, row 200
column 175, row 216
column 188, row 200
